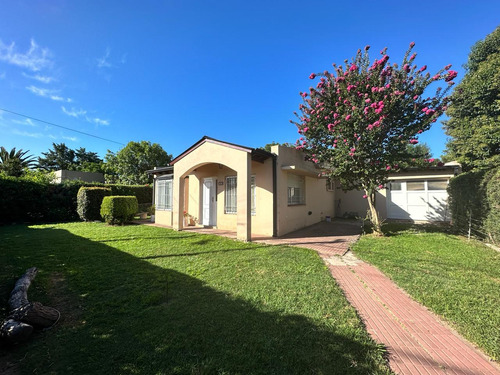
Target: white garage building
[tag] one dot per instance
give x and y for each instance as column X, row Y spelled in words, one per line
column 416, row 195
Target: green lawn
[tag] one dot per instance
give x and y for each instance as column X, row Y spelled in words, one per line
column 457, row 279
column 145, row 300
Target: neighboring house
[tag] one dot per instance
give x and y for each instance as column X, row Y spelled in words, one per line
column 413, row 194
column 242, row 189
column 64, row 175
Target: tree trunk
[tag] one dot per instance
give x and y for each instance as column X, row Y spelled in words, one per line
column 25, row 316
column 374, row 218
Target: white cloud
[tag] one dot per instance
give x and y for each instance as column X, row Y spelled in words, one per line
column 48, row 93
column 73, row 139
column 27, row 134
column 35, row 59
column 102, row 62
column 73, row 112
column 98, row 121
column 27, row 121
column 39, row 78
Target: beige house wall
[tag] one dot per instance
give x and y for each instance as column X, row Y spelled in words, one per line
column 319, row 202
column 163, row 217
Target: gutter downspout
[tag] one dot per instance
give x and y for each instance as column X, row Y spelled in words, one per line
column 275, row 196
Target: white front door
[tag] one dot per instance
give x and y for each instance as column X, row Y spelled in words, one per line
column 209, row 205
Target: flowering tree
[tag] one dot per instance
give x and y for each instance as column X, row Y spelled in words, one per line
column 358, row 121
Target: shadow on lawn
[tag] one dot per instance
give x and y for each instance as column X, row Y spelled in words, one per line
column 125, row 315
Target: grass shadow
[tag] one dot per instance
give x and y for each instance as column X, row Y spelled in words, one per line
column 125, row 315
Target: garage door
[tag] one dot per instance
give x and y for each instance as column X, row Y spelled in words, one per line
column 418, row 200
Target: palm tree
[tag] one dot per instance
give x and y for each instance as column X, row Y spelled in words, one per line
column 12, row 163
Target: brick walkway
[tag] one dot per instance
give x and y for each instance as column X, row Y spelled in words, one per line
column 416, row 340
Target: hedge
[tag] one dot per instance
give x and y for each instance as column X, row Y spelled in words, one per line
column 474, row 199
column 89, row 201
column 492, row 220
column 24, row 200
column 118, row 209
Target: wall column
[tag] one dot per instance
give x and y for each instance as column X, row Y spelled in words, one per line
column 244, row 214
column 178, row 203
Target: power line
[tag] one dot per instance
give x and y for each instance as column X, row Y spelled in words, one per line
column 60, row 126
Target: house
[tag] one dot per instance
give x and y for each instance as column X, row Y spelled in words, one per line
column 258, row 193
column 242, row 189
column 65, row 175
column 413, row 194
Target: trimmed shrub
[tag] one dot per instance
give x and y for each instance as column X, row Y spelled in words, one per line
column 89, row 201
column 118, row 209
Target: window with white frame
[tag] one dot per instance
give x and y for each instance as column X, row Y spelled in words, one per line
column 296, row 189
column 230, row 203
column 164, row 193
column 231, row 198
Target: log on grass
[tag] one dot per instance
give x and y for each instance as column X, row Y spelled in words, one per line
column 24, row 315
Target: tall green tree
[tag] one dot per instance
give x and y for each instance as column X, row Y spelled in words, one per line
column 63, row 157
column 358, row 121
column 13, row 163
column 474, row 111
column 129, row 165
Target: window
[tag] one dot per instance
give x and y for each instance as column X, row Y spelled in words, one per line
column 164, row 194
column 230, row 206
column 231, row 199
column 415, row 186
column 296, row 189
column 437, row 184
column 330, row 185
column 395, row 185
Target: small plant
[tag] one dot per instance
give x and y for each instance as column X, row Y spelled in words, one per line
column 89, row 200
column 118, row 209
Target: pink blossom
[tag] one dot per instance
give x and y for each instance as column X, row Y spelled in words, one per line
column 424, row 109
column 412, row 44
column 415, row 97
column 451, row 74
column 432, row 160
column 335, row 115
column 422, row 68
column 388, row 168
column 420, row 131
column 353, row 68
column 381, row 186
column 412, row 57
column 406, row 68
column 353, row 149
column 305, row 129
column 430, row 112
column 376, row 123
column 330, row 127
column 436, row 77
column 369, row 127
column 347, row 117
column 413, row 141
column 312, row 76
column 447, row 67
column 365, row 196
column 368, row 100
column 303, row 94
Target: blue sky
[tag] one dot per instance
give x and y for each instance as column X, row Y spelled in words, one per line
column 172, row 71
